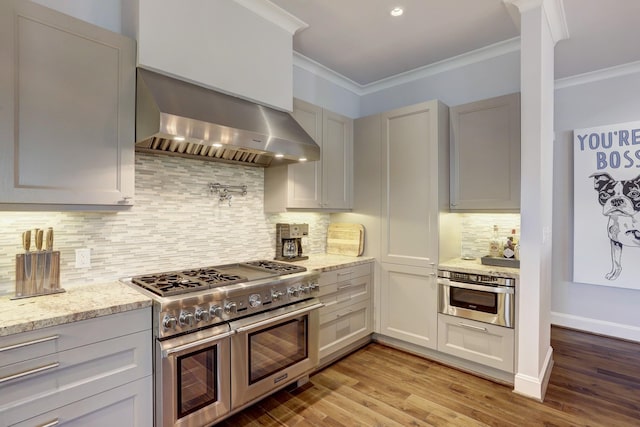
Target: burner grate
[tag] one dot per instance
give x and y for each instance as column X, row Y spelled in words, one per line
column 212, row 276
column 279, row 267
column 168, row 284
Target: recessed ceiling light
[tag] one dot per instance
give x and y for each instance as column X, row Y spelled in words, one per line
column 397, row 11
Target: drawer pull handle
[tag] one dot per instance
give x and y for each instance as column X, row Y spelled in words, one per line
column 341, row 287
column 51, row 423
column 29, row 372
column 344, row 314
column 478, row 328
column 346, row 273
column 24, row 344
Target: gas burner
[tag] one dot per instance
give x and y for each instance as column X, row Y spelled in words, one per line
column 214, row 277
column 280, row 267
column 168, row 284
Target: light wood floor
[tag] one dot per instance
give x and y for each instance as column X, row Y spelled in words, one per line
column 595, row 382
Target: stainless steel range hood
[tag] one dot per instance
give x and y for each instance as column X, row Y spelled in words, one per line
column 182, row 119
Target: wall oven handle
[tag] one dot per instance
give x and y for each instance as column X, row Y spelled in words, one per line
column 169, row 351
column 275, row 319
column 471, row 286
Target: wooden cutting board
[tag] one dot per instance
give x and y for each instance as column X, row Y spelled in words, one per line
column 345, row 239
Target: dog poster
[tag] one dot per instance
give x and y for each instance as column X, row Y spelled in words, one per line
column 606, row 227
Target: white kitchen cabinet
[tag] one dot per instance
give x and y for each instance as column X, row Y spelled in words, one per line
column 320, row 185
column 347, row 317
column 479, row 342
column 92, row 369
column 67, row 99
column 239, row 47
column 485, row 155
column 409, row 304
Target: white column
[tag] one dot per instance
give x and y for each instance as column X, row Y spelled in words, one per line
column 542, row 24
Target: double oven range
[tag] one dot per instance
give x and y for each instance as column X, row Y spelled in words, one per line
column 228, row 335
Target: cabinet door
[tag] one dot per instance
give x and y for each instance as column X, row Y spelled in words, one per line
column 409, row 304
column 67, row 98
column 485, row 155
column 337, row 161
column 410, row 187
column 305, row 179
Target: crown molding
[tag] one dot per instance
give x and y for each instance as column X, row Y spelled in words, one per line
column 487, row 52
column 274, row 14
column 594, row 76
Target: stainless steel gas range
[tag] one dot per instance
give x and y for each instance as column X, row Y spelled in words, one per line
column 226, row 336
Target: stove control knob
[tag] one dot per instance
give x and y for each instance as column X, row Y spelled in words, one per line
column 276, row 295
column 187, row 319
column 215, row 311
column 202, row 315
column 314, row 287
column 294, row 292
column 231, row 308
column 254, row 300
column 169, row 322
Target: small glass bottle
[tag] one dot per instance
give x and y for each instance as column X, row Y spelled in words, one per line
column 509, row 250
column 494, row 243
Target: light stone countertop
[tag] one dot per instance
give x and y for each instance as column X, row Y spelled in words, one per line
column 475, row 266
column 327, row 262
column 77, row 303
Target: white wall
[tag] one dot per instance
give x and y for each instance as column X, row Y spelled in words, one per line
column 601, row 309
column 317, row 90
column 104, row 13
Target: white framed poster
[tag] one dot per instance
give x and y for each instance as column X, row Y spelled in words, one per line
column 606, row 199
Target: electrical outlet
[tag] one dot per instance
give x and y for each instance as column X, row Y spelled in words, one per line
column 83, row 258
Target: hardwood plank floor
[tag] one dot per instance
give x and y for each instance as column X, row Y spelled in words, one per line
column 595, row 382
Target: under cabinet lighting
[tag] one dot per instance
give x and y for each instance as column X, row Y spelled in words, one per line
column 397, row 11
column 279, row 156
column 216, row 145
column 302, row 159
column 178, row 138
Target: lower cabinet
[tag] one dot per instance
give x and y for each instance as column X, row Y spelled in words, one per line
column 484, row 343
column 74, row 373
column 409, row 304
column 347, row 317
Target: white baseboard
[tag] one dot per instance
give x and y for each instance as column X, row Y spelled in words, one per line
column 535, row 387
column 601, row 327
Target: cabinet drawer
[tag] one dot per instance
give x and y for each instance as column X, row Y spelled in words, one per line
column 30, row 345
column 483, row 343
column 346, row 292
column 45, row 383
column 329, row 280
column 126, row 406
column 339, row 328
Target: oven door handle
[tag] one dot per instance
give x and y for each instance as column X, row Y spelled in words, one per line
column 482, row 288
column 166, row 353
column 279, row 318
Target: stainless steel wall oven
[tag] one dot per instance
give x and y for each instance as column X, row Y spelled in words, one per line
column 486, row 298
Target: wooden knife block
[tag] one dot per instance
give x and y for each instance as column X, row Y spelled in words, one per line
column 37, row 273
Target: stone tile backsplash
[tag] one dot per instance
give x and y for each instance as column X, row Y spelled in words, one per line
column 175, row 223
column 477, row 229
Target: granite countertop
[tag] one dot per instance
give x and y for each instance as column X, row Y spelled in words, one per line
column 327, row 262
column 78, row 303
column 475, row 266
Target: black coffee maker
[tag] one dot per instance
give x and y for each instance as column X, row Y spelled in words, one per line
column 289, row 241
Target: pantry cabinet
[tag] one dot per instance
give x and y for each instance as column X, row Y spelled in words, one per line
column 346, row 320
column 92, row 370
column 67, row 99
column 485, row 155
column 324, row 185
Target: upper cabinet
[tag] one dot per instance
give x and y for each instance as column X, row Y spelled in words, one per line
column 485, row 155
column 67, row 109
column 240, row 47
column 322, row 185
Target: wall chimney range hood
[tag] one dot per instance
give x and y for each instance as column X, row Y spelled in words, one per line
column 178, row 118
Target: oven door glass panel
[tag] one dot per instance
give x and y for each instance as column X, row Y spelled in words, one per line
column 277, row 347
column 486, row 302
column 197, row 380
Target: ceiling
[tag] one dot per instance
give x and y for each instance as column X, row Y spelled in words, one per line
column 359, row 40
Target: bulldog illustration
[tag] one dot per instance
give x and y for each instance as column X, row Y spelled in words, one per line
column 620, row 201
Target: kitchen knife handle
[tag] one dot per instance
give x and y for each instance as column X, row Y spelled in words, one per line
column 49, row 239
column 26, row 240
column 39, row 235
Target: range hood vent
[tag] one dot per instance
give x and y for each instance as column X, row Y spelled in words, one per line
column 178, row 118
